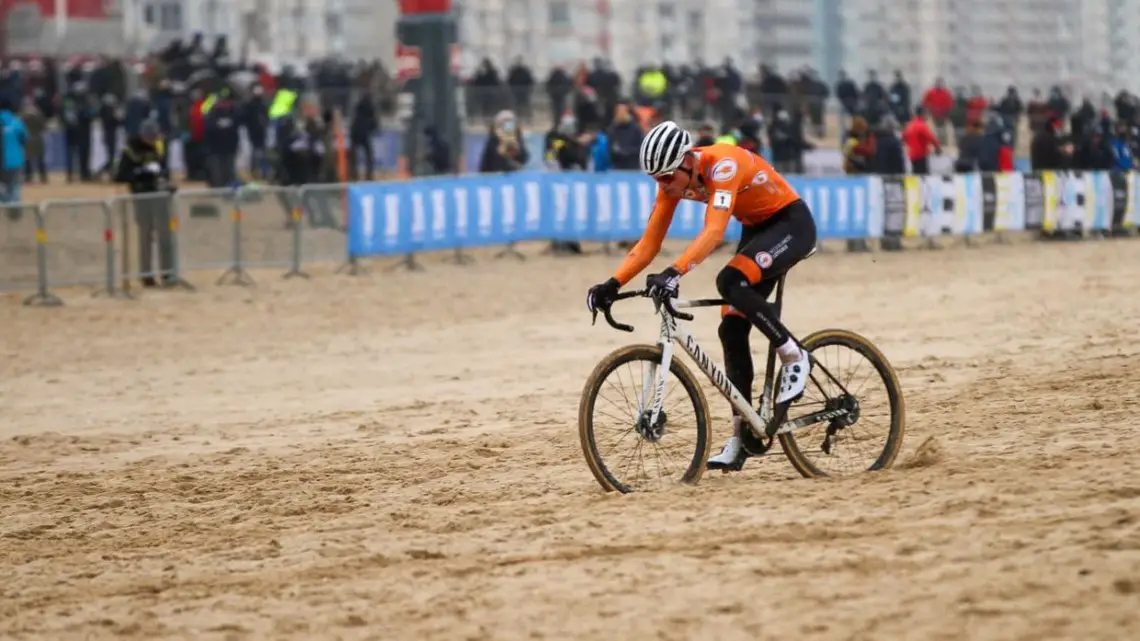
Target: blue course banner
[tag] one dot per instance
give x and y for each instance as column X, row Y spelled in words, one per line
column 430, row 214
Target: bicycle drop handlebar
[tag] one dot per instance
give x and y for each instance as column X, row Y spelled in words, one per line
column 642, row 293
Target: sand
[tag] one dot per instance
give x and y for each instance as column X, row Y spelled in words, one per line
column 395, row 456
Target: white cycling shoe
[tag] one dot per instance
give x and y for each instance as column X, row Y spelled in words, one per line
column 731, row 456
column 794, row 378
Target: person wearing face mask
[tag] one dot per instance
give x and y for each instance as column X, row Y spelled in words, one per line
column 566, row 150
column 505, row 150
column 777, row 232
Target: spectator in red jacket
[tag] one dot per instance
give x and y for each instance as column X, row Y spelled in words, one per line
column 919, row 138
column 193, row 148
column 976, row 106
column 938, row 101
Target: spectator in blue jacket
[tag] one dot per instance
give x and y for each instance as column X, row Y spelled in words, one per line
column 15, row 138
column 600, row 151
column 1122, row 147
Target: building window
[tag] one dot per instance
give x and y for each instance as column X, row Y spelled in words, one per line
column 333, row 25
column 666, row 10
column 170, row 17
column 560, row 13
column 148, row 14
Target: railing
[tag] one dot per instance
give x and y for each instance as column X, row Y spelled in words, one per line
column 162, row 239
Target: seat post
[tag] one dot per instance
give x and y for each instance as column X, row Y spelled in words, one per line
column 778, row 303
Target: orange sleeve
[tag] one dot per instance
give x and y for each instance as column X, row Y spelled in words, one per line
column 716, row 222
column 647, row 248
column 722, row 201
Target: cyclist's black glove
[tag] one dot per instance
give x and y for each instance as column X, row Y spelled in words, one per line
column 601, row 296
column 663, row 285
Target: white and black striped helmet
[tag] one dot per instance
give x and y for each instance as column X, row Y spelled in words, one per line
column 664, row 148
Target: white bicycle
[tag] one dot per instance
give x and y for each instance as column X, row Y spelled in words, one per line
column 842, row 411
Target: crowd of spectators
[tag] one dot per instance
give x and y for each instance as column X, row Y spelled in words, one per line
column 592, row 116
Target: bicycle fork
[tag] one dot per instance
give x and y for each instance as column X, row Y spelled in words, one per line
column 653, row 381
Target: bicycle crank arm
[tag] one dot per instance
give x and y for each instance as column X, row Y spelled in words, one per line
column 808, row 420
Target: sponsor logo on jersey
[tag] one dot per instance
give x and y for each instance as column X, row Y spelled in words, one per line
column 724, row 170
column 764, row 260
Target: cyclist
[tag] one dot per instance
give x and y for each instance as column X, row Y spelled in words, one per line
column 778, row 231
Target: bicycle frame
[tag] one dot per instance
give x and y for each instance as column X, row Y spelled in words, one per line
column 672, row 333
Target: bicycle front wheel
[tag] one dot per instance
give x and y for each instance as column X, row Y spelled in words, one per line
column 860, row 379
column 625, row 448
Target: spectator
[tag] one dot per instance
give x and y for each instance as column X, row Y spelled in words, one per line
column 1059, row 105
column 1037, row 112
column 969, row 149
column 1011, row 109
column 505, row 150
column 437, row 153
column 1127, row 109
column 36, row 124
column 976, row 105
column 785, row 135
column 221, row 140
column 1083, row 120
column 566, row 150
column 137, row 110
column 706, row 135
column 77, row 114
column 995, row 152
column 858, row 147
column 750, row 133
column 14, row 140
column 1048, row 151
column 110, row 119
column 559, row 86
column 600, row 152
column 625, row 138
column 938, row 102
column 1122, row 147
column 874, row 94
column 818, row 94
column 521, row 83
column 889, row 159
column 365, row 125
column 143, row 167
column 959, row 112
column 900, row 98
column 919, row 139
column 1094, row 153
column 194, row 145
column 254, row 118
column 848, row 93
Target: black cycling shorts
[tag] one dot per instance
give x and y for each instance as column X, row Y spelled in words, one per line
column 776, row 244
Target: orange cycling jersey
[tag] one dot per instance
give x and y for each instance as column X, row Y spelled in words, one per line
column 734, row 182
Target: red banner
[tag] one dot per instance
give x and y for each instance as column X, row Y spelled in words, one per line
column 408, row 7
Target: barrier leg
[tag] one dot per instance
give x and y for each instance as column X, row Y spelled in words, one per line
column 109, row 242
column 409, row 263
column 42, row 297
column 931, row 244
column 175, row 280
column 510, row 250
column 237, row 270
column 295, row 270
column 125, row 236
column 460, row 258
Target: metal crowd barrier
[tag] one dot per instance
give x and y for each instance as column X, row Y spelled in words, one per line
column 159, row 239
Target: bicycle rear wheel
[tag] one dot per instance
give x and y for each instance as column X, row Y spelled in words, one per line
column 864, row 381
column 613, row 414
